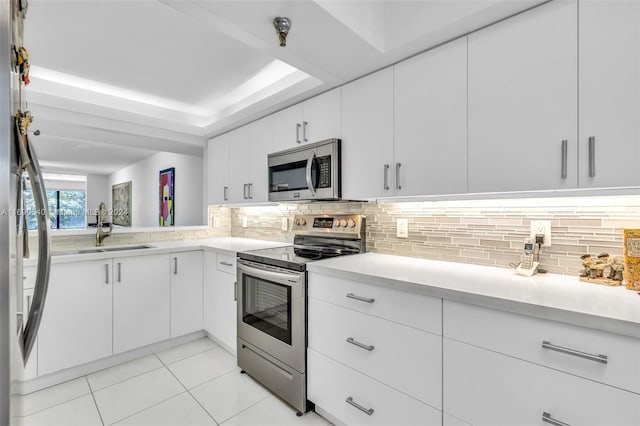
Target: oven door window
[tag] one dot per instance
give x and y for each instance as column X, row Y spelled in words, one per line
column 266, row 306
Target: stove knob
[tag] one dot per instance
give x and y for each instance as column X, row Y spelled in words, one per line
column 303, row 222
column 343, row 222
column 352, row 223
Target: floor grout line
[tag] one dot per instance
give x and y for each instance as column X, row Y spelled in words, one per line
column 124, row 380
column 56, row 405
column 252, row 405
column 216, row 346
column 94, row 400
column 145, row 409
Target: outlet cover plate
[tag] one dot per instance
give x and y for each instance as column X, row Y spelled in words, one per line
column 541, row 227
column 402, row 228
column 285, row 224
column 244, row 221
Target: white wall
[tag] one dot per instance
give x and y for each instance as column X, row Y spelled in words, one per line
column 98, row 189
column 145, row 176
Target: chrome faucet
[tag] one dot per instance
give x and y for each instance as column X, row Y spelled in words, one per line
column 100, row 234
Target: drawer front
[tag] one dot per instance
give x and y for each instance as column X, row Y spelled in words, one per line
column 404, row 307
column 226, row 263
column 482, row 387
column 330, row 384
column 522, row 336
column 402, row 357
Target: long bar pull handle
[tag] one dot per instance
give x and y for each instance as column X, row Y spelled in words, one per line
column 226, row 263
column 398, row 186
column 235, row 291
column 350, row 401
column 564, row 158
column 225, row 193
column 360, row 298
column 28, row 303
column 119, row 272
column 304, row 131
column 360, row 345
column 546, row 417
column 244, row 191
column 386, row 177
column 312, row 189
column 106, row 270
column 250, row 191
column 175, row 266
column 298, row 133
column 592, row 156
column 597, row 358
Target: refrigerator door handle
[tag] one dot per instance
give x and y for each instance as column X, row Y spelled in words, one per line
column 29, row 161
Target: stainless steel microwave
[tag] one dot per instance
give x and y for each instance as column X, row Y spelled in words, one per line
column 307, row 172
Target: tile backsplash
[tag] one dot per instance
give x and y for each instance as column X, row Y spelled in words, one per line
column 485, row 232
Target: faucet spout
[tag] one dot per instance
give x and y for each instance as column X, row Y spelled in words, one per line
column 100, row 233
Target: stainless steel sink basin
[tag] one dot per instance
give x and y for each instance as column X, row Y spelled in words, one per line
column 99, row 250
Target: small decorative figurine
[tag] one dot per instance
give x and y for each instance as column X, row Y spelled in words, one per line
column 594, row 269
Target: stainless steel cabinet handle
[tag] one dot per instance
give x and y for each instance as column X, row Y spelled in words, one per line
column 350, row 401
column 592, row 156
column 28, row 303
column 225, row 193
column 175, row 266
column 298, row 133
column 386, row 177
column 569, row 351
column 244, row 191
column 250, row 191
column 226, row 263
column 304, row 131
column 546, row 417
column 360, row 345
column 106, row 269
column 564, row 159
column 398, row 186
column 235, row 291
column 119, row 272
column 360, row 298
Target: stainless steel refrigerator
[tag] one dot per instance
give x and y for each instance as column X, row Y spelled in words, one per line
column 18, row 324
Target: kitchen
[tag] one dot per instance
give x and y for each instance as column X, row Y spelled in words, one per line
column 469, row 141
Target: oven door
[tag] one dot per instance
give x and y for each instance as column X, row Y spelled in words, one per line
column 309, row 172
column 272, row 311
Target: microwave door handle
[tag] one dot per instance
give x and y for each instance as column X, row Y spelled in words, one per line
column 309, row 182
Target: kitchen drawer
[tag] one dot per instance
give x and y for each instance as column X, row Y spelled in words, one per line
column 522, row 336
column 483, row 387
column 405, row 358
column 330, row 384
column 226, row 263
column 404, row 307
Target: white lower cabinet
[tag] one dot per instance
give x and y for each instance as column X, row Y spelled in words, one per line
column 141, row 301
column 224, row 311
column 186, row 292
column 482, row 387
column 357, row 399
column 76, row 324
column 209, row 293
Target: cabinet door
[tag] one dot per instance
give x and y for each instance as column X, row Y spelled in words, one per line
column 367, row 136
column 322, row 117
column 218, row 169
column 209, row 293
column 226, row 312
column 287, row 125
column 239, row 161
column 609, row 94
column 431, row 122
column 522, row 101
column 76, row 321
column 31, row 368
column 261, row 136
column 141, row 301
column 186, row 292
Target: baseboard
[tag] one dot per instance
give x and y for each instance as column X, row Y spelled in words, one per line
column 328, row 416
column 52, row 379
column 232, row 351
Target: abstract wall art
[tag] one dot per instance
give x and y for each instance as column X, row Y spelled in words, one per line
column 167, row 205
column 121, row 204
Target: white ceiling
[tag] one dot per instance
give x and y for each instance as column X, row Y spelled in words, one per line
column 129, row 78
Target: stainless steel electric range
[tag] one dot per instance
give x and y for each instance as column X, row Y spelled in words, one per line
column 272, row 301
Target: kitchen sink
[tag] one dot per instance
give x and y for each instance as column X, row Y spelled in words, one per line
column 99, row 250
column 125, row 248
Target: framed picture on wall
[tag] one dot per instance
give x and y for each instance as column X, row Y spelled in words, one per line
column 167, row 205
column 121, row 204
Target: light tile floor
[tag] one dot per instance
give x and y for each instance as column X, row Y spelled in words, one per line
column 196, row 384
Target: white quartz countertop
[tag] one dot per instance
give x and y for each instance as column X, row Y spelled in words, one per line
column 230, row 245
column 550, row 296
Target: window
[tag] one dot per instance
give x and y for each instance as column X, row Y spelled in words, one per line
column 66, row 209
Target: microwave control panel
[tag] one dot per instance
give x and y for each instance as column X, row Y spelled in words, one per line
column 324, row 171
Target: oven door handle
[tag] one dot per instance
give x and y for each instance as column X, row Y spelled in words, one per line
column 280, row 277
column 309, row 166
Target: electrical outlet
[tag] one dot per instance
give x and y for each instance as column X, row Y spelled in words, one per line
column 216, row 221
column 244, row 221
column 285, row 224
column 402, row 228
column 541, row 227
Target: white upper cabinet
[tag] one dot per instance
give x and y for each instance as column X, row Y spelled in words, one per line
column 186, row 292
column 367, row 136
column 218, row 169
column 313, row 120
column 431, row 122
column 522, row 102
column 239, row 172
column 261, row 135
column 609, row 94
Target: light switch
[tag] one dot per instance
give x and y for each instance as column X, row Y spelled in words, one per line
column 285, row 224
column 244, row 221
column 402, row 228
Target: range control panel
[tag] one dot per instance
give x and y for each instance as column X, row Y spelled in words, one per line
column 324, row 224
